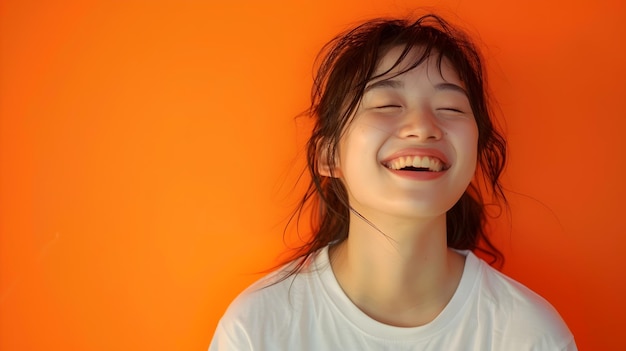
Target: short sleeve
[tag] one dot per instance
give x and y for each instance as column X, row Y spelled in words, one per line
column 231, row 337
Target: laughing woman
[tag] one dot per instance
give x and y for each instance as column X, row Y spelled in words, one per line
column 403, row 135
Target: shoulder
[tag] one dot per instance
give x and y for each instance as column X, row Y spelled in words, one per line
column 267, row 297
column 271, row 297
column 262, row 311
column 519, row 315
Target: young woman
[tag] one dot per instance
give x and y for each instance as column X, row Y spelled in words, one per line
column 402, row 145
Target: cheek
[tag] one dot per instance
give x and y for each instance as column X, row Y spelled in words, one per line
column 469, row 134
column 466, row 140
column 379, row 126
column 472, row 143
column 359, row 147
column 372, row 130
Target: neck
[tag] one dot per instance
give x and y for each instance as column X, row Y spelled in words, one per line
column 398, row 271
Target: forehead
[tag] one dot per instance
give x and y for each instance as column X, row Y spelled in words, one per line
column 436, row 65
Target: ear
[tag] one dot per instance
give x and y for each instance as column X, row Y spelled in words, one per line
column 323, row 167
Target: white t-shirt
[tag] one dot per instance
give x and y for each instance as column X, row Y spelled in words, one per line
column 310, row 311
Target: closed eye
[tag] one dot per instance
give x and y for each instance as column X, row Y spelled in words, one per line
column 389, row 106
column 450, row 109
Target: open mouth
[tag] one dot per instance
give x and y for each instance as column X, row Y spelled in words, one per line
column 416, row 164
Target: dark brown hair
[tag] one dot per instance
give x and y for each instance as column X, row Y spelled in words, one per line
column 346, row 65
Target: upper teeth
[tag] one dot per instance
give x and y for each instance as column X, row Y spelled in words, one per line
column 433, row 164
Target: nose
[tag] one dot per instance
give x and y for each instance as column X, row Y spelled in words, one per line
column 421, row 125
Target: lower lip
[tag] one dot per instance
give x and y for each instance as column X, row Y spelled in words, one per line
column 413, row 175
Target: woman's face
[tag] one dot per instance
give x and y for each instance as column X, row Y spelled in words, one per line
column 411, row 147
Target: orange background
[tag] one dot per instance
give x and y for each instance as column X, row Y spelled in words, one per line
column 147, row 158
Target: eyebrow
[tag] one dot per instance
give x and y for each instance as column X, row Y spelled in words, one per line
column 385, row 83
column 452, row 87
column 396, row 84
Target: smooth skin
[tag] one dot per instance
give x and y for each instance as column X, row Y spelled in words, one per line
column 406, row 276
